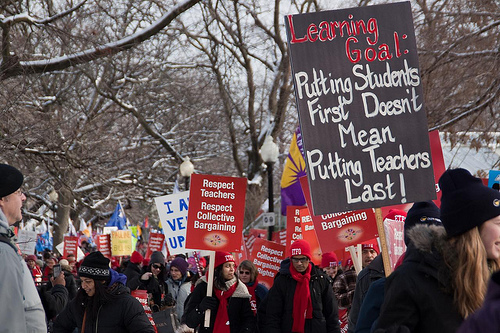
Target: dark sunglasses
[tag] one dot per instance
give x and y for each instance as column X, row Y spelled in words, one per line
column 244, row 273
column 157, row 266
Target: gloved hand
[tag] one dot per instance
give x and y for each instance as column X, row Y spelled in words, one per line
column 208, row 302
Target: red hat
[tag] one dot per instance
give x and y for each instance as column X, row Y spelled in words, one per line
column 203, row 262
column 329, row 259
column 145, row 262
column 222, row 258
column 31, row 257
column 136, row 258
column 370, row 245
column 349, row 263
column 300, row 247
column 396, row 214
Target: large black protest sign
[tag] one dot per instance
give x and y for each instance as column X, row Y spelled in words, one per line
column 361, row 108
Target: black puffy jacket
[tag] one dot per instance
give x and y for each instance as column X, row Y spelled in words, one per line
column 123, row 314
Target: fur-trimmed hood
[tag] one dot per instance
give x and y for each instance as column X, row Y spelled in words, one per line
column 428, row 243
column 428, row 238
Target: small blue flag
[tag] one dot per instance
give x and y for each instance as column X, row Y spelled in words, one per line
column 44, row 241
column 118, row 218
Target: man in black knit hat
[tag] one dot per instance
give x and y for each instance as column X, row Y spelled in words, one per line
column 23, row 311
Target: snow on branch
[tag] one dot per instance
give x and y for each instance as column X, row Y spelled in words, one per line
column 26, row 18
column 123, row 179
column 59, row 63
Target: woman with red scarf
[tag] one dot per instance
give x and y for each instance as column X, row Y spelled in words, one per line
column 230, row 305
column 248, row 274
column 36, row 271
column 301, row 298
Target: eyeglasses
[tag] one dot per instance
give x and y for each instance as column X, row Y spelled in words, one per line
column 244, row 273
column 303, row 260
column 19, row 192
column 156, row 266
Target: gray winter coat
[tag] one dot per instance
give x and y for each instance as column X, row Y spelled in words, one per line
column 22, row 310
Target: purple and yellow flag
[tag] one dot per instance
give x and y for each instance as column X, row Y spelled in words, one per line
column 295, row 167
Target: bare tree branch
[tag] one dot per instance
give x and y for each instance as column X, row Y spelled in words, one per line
column 11, row 68
column 26, row 18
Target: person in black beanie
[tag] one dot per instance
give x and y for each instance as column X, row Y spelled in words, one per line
column 103, row 303
column 153, row 280
column 470, row 212
column 421, row 213
column 424, row 212
column 443, row 280
column 22, row 310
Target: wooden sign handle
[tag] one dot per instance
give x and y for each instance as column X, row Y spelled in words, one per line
column 355, row 257
column 383, row 242
column 210, row 282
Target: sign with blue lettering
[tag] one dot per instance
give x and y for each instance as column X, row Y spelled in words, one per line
column 494, row 178
column 173, row 211
column 361, row 107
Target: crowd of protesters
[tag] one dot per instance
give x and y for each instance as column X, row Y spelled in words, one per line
column 446, row 281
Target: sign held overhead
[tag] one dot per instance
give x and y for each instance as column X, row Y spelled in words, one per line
column 361, row 109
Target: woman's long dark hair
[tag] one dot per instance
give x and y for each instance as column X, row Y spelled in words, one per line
column 219, row 280
column 92, row 304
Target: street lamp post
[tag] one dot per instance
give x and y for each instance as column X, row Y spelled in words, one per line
column 269, row 153
column 186, row 168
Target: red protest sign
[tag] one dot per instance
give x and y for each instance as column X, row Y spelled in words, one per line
column 437, row 161
column 280, row 237
column 142, row 297
column 243, row 255
column 309, row 235
column 216, row 213
column 293, row 224
column 300, row 226
column 70, row 245
column 253, row 234
column 104, row 245
column 267, row 257
column 156, row 241
column 394, row 232
column 337, row 230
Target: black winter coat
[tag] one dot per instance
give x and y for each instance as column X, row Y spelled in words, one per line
column 369, row 274
column 417, row 294
column 70, row 284
column 54, row 299
column 279, row 303
column 133, row 274
column 156, row 286
column 123, row 314
column 241, row 317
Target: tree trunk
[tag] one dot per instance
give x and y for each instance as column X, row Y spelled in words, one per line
column 62, row 215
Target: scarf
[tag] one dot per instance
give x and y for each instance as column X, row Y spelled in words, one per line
column 253, row 300
column 302, row 305
column 221, row 324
